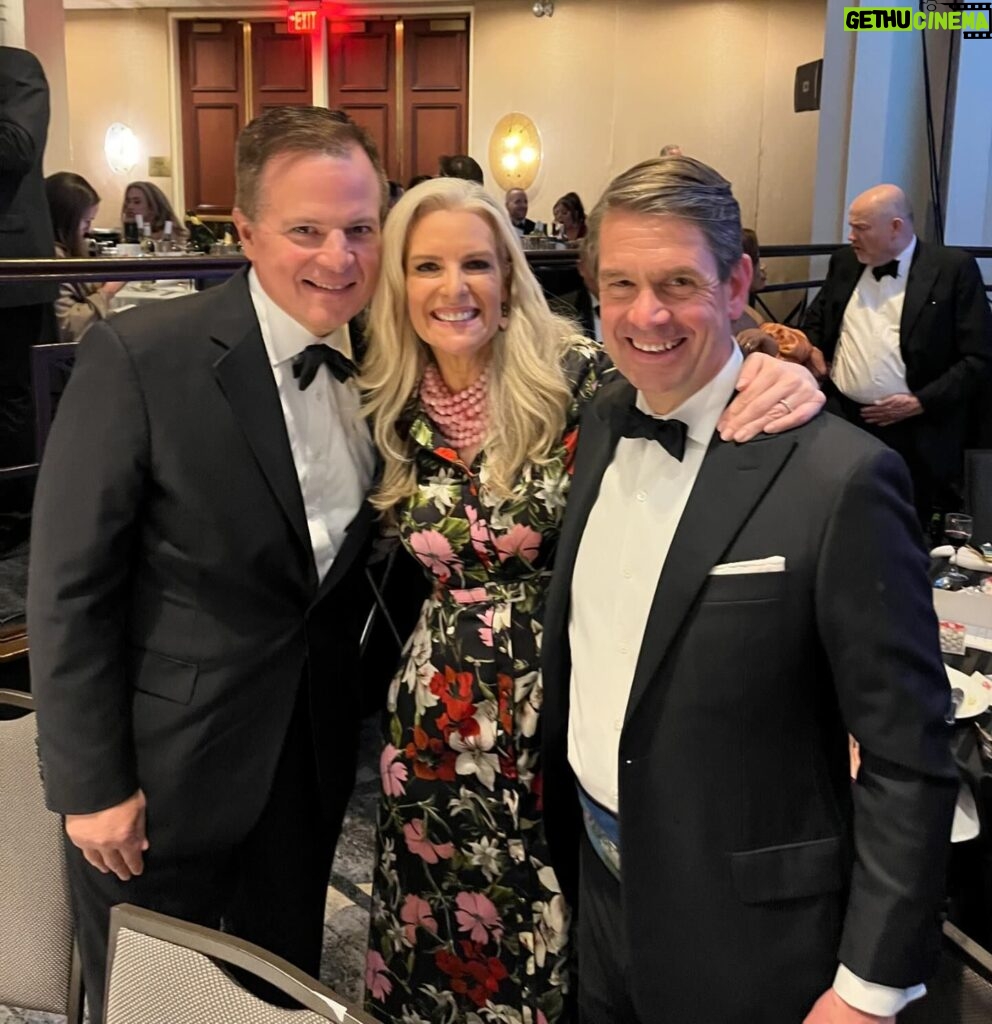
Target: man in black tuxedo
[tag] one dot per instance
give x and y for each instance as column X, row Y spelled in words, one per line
column 197, row 581
column 25, row 233
column 720, row 617
column 906, row 327
column 516, row 207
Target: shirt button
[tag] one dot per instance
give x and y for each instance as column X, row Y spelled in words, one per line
column 618, row 724
column 627, row 574
column 623, row 648
column 641, row 496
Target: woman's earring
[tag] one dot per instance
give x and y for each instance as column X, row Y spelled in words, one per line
column 504, row 310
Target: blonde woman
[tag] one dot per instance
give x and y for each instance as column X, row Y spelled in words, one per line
column 475, row 390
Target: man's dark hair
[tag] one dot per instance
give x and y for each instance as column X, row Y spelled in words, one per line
column 461, row 166
column 297, row 130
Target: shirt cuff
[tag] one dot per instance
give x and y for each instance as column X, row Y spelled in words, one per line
column 868, row 997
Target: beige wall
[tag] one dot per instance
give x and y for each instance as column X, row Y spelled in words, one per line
column 43, row 36
column 608, row 82
column 117, row 65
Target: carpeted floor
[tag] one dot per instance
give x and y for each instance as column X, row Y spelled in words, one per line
column 347, row 914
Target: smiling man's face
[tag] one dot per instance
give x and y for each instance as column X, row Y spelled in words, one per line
column 315, row 239
column 665, row 313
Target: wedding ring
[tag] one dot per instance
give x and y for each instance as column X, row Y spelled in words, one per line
column 782, row 401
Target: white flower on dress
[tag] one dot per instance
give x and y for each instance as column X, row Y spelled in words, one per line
column 441, row 490
column 528, row 695
column 487, row 855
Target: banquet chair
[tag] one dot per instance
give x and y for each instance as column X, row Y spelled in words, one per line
column 162, row 969
column 39, row 967
column 50, row 369
column 961, row 990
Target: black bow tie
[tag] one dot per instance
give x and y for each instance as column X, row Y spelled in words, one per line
column 670, row 434
column 306, row 364
column 890, row 269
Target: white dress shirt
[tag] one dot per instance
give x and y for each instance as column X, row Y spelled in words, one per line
column 329, row 439
column 868, row 363
column 643, row 494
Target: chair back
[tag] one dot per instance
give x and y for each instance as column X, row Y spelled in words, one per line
column 978, row 492
column 38, row 966
column 961, row 990
column 50, row 369
column 161, row 969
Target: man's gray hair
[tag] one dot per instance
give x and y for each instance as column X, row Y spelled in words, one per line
column 677, row 186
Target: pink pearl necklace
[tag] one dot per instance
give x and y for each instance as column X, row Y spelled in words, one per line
column 460, row 417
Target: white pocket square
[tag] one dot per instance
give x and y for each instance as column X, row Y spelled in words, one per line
column 774, row 563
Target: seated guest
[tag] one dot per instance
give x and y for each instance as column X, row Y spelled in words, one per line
column 148, row 200
column 570, row 217
column 756, row 333
column 582, row 304
column 73, row 203
column 417, row 179
column 461, row 166
column 516, row 207
column 395, row 192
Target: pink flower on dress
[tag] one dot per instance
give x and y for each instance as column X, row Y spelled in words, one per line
column 520, row 541
column 417, row 842
column 392, row 772
column 434, row 550
column 477, row 916
column 486, row 629
column 377, row 976
column 478, row 530
column 416, row 913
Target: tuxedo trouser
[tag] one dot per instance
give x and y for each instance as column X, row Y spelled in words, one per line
column 270, row 888
column 604, row 967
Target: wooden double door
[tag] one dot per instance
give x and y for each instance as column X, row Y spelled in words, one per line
column 404, row 80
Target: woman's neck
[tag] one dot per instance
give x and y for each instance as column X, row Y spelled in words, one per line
column 459, row 373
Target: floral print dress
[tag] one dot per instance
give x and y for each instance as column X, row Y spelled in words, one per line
column 468, row 922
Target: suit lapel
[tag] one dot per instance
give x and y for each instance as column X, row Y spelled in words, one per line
column 919, row 284
column 731, row 482
column 245, row 377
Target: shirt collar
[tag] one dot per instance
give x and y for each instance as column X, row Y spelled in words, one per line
column 700, row 411
column 284, row 337
column 905, row 258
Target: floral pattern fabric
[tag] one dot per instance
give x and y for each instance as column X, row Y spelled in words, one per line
column 468, row 922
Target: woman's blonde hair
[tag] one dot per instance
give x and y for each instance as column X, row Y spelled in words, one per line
column 527, row 391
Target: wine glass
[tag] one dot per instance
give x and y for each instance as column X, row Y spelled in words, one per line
column 957, row 531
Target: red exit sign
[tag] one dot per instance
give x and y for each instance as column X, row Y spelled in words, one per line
column 302, row 22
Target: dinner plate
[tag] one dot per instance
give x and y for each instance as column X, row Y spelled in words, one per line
column 977, row 692
column 966, row 558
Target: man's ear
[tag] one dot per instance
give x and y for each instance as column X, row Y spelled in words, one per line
column 246, row 230
column 739, row 286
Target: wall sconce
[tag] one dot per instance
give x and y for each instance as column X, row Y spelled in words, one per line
column 543, row 7
column 515, row 151
column 121, row 148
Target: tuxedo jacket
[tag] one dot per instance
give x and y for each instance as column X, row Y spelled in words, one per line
column 750, row 864
column 945, row 337
column 25, row 224
column 174, row 608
